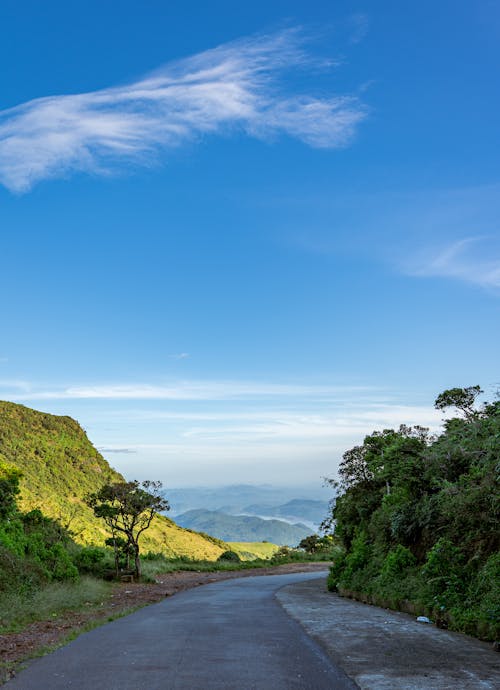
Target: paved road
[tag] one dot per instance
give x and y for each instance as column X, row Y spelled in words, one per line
column 230, row 635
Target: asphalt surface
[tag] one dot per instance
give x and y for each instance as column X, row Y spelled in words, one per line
column 230, row 635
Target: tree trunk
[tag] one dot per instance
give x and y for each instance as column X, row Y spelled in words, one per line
column 137, row 562
column 117, row 557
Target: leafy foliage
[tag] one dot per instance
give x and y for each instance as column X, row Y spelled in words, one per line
column 229, row 556
column 128, row 508
column 316, row 544
column 418, row 517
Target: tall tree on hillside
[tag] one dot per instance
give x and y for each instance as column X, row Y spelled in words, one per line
column 128, row 508
column 462, row 399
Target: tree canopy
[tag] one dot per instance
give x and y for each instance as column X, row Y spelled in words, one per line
column 418, row 515
column 128, row 509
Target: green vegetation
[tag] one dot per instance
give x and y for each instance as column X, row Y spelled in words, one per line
column 49, row 560
column 49, row 601
column 154, row 564
column 57, row 467
column 128, row 508
column 38, row 571
column 252, row 550
column 230, row 556
column 418, row 519
column 316, row 544
column 56, row 560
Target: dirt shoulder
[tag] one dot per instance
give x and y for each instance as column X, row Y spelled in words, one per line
column 42, row 636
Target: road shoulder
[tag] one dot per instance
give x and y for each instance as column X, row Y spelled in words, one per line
column 387, row 650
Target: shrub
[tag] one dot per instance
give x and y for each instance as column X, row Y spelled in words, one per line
column 397, row 561
column 336, row 571
column 231, row 556
column 444, row 573
column 90, row 560
column 359, row 554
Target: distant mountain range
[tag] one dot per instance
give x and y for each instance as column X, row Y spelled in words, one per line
column 290, row 503
column 243, row 527
column 296, row 509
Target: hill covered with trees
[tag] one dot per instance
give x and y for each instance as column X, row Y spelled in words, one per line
column 418, row 518
column 58, row 467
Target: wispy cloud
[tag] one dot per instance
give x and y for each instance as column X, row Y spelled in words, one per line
column 116, row 450
column 234, row 86
column 184, row 390
column 354, row 412
column 466, row 259
column 180, row 355
column 211, row 429
column 359, row 24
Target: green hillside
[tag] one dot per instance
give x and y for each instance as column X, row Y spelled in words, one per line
column 60, row 467
column 250, row 550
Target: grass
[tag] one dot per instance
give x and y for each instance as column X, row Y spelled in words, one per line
column 60, row 601
column 18, row 610
column 251, row 550
column 156, row 564
column 159, row 565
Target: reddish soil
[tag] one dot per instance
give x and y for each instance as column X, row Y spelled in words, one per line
column 125, row 597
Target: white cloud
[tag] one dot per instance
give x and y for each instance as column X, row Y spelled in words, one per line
column 343, row 422
column 15, row 387
column 113, row 449
column 185, row 390
column 220, row 431
column 232, row 86
column 180, row 355
column 466, row 260
column 359, row 24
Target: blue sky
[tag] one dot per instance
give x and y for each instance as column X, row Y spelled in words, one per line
column 237, row 238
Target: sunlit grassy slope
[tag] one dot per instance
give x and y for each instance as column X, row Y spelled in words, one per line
column 60, row 467
column 249, row 550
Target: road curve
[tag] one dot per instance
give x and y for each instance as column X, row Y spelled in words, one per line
column 230, row 635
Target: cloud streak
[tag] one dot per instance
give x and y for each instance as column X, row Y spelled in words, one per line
column 236, row 86
column 460, row 260
column 184, row 390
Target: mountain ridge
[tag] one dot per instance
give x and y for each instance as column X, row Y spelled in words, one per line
column 60, row 466
column 238, row 528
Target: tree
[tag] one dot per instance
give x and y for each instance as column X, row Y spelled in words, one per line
column 310, row 543
column 461, row 398
column 128, row 508
column 314, row 543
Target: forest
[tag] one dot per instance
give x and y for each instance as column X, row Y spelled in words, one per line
column 417, row 516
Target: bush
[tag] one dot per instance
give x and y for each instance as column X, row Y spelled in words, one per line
column 444, row 574
column 397, row 561
column 336, row 571
column 230, row 556
column 90, row 560
column 359, row 554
